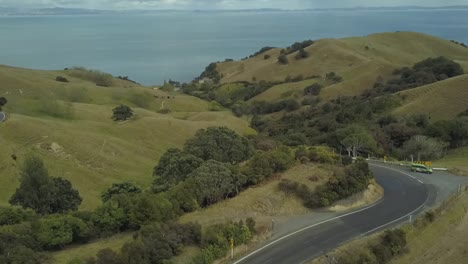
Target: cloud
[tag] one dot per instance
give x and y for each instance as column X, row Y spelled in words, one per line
column 218, row 4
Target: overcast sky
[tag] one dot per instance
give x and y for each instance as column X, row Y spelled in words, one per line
column 220, row 4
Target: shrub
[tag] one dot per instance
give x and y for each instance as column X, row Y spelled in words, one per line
column 122, row 113
column 266, row 57
column 283, row 59
column 313, row 89
column 61, row 79
column 14, row 215
column 99, row 78
column 302, row 54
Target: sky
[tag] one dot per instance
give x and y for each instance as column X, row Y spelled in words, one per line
column 219, row 4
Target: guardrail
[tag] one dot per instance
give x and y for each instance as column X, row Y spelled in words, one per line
column 402, row 163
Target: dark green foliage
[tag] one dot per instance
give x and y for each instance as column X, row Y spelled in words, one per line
column 211, row 73
column 393, row 243
column 119, row 188
column 157, row 243
column 61, row 79
column 59, row 230
column 263, row 107
column 212, row 182
column 12, row 251
column 262, row 50
column 122, row 113
column 39, row 192
column 297, row 46
column 355, row 179
column 147, row 208
column 63, row 197
column 313, row 89
column 422, row 73
column 332, row 76
column 283, row 59
column 3, row 102
column 14, row 215
column 220, row 144
column 109, row 219
column 453, row 131
column 35, row 184
column 302, row 54
column 174, row 166
column 346, row 160
column 266, row 57
column 216, row 240
column 264, row 164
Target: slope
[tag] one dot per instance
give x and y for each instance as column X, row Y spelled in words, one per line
column 360, row 61
column 441, row 100
column 69, row 126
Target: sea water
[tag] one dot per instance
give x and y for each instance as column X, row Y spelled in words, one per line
column 151, row 48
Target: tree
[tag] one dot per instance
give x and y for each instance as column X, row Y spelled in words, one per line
column 422, row 147
column 119, row 188
column 59, row 230
column 313, row 89
column 173, row 167
column 122, row 113
column 283, row 59
column 355, row 139
column 35, row 186
column 219, row 143
column 63, row 197
column 213, row 182
column 302, row 54
column 109, row 219
column 3, row 102
column 41, row 193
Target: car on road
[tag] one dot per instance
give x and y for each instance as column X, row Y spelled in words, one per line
column 416, row 167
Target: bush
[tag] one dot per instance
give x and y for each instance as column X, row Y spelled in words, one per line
column 266, row 57
column 61, row 79
column 122, row 113
column 99, row 78
column 283, row 59
column 313, row 89
column 15, row 215
column 302, row 54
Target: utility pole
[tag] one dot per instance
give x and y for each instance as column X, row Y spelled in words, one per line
column 232, row 248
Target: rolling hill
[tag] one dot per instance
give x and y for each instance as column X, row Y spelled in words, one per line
column 441, row 100
column 69, row 125
column 358, row 60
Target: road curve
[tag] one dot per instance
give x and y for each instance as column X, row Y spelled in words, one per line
column 404, row 196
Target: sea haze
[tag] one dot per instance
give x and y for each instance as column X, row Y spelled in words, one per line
column 153, row 47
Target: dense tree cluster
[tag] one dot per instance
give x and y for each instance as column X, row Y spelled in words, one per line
column 422, row 73
column 211, row 73
column 44, row 194
column 262, row 50
column 297, row 46
column 352, row 179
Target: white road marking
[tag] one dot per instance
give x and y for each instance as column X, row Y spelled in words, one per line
column 305, row 228
column 338, row 217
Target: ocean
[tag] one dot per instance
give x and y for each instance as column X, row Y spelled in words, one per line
column 151, row 48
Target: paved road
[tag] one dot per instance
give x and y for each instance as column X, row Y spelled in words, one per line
column 2, row 116
column 405, row 194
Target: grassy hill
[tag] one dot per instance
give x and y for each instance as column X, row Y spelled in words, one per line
column 358, row 60
column 442, row 100
column 69, row 125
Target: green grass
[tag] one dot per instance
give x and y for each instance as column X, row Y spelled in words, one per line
column 286, row 90
column 349, row 57
column 94, row 151
column 441, row 100
column 443, row 241
column 456, row 160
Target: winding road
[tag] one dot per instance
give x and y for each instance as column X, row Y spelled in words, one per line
column 405, row 194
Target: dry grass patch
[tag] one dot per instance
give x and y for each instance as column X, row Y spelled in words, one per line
column 264, row 201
